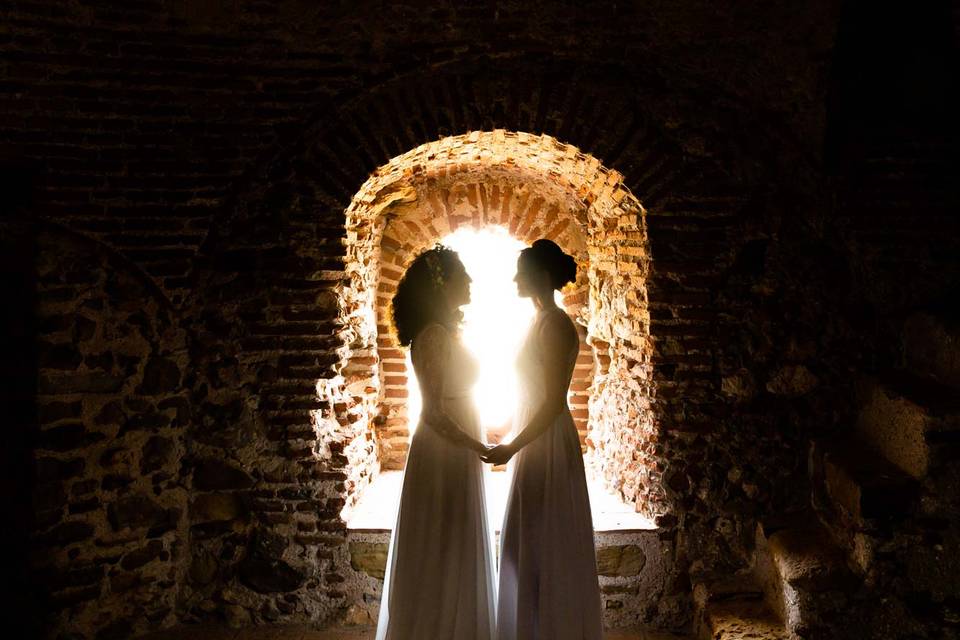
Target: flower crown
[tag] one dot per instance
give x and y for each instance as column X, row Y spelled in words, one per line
column 435, row 266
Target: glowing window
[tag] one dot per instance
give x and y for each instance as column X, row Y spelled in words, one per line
column 495, row 323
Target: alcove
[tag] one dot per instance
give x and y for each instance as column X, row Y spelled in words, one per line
column 531, row 187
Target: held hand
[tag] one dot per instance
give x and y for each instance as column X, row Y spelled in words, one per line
column 483, row 449
column 499, row 454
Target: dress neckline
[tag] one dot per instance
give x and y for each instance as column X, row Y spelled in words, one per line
column 543, row 312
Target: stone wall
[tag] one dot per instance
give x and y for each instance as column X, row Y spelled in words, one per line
column 144, row 117
column 283, row 230
column 113, row 409
column 216, row 150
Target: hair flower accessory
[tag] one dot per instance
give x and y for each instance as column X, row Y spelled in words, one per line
column 436, row 268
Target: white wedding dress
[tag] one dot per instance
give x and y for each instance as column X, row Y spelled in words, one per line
column 439, row 582
column 548, row 573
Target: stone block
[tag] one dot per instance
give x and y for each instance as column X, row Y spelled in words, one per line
column 620, row 561
column 103, row 361
column 160, row 375
column 139, row 557
column 359, row 616
column 216, row 507
column 156, row 454
column 120, row 582
column 110, row 413
column 135, row 512
column 796, row 560
column 84, row 487
column 203, row 567
column 211, row 474
column 792, row 381
column 931, row 347
column 114, row 481
column 369, row 557
column 726, row 587
column 807, row 558
column 236, row 616
column 147, row 421
column 269, row 574
column 863, row 485
column 740, row 620
column 115, row 456
column 902, row 414
column 84, row 506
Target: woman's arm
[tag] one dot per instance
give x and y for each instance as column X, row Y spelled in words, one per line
column 557, row 337
column 430, row 363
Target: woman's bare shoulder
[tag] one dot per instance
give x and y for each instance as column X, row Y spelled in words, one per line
column 557, row 329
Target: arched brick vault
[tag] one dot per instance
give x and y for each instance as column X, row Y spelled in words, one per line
column 270, row 286
column 288, row 225
column 534, row 186
column 475, row 199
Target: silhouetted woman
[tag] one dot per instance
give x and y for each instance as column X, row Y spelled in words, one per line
column 548, row 576
column 439, row 583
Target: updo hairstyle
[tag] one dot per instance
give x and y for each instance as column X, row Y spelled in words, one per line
column 546, row 255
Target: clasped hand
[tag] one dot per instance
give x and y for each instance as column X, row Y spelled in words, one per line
column 499, row 454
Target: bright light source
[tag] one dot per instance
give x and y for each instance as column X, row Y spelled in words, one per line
column 495, row 323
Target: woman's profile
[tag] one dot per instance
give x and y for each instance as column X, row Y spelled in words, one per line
column 439, row 582
column 548, row 587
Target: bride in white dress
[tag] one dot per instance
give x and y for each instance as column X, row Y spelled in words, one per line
column 548, row 577
column 439, row 582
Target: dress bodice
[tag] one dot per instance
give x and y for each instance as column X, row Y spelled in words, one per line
column 442, row 362
column 462, row 371
column 530, row 360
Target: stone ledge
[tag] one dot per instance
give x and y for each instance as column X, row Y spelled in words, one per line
column 862, row 485
column 740, row 620
column 797, row 561
column 902, row 415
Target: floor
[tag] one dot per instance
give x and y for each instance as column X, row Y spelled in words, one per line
column 207, row 632
column 376, row 509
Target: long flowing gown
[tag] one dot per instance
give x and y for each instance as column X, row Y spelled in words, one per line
column 439, row 582
column 548, row 576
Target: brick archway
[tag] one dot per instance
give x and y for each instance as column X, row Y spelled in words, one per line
column 275, row 280
column 473, row 199
column 534, row 186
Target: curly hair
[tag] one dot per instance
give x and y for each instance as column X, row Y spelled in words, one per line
column 415, row 304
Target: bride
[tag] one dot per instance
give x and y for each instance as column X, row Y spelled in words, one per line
column 548, row 576
column 439, row 583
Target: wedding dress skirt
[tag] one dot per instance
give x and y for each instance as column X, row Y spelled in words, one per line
column 548, row 576
column 439, row 582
